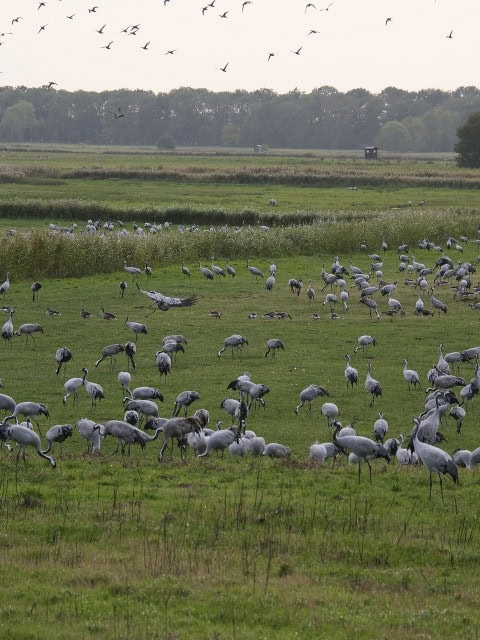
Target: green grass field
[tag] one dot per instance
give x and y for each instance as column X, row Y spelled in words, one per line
column 111, row 547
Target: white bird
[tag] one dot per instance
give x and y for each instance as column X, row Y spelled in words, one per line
column 24, row 437
column 410, row 375
column 93, row 389
column 436, row 461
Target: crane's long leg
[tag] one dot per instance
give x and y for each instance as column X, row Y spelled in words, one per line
column 441, row 485
column 370, row 469
column 359, row 472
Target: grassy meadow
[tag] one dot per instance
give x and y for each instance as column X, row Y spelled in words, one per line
column 216, row 548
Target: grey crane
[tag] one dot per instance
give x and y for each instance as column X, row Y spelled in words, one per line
column 273, row 344
column 372, row 386
column 172, row 347
column 364, row 342
column 136, row 327
column 372, row 306
column 28, row 410
column 185, row 271
column 130, row 352
column 309, row 394
column 58, row 433
column 272, row 268
column 438, row 305
column 458, row 413
column 164, row 303
column 176, row 337
column 85, row 314
column 127, row 434
column 256, row 393
column 442, row 365
column 445, row 381
column 364, row 448
column 270, row 283
column 255, row 271
column 7, row 404
column 184, row 400
column 146, row 393
column 24, row 437
column 163, row 362
column 235, row 342
column 7, row 329
column 178, row 428
column 465, row 458
column 28, row 329
column 93, row 389
column 257, row 446
column 91, row 432
column 206, row 272
column 111, row 351
column 218, row 271
column 147, row 408
column 319, row 452
column 52, row 313
column 35, row 288
column 310, row 292
column 5, row 286
column 410, row 375
column 351, row 374
column 330, row 411
column 276, row 450
column 124, row 379
column 380, row 428
column 295, row 285
column 133, row 271
column 230, row 406
column 393, row 444
column 148, row 270
column 230, row 270
column 436, row 461
column 71, row 387
column 123, row 287
column 220, row 440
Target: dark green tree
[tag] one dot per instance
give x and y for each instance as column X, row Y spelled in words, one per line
column 468, row 145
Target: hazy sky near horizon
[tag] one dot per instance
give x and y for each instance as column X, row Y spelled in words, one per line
column 346, row 44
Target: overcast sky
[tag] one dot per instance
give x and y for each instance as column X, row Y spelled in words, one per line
column 346, row 44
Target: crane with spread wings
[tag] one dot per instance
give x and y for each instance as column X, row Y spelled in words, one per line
column 164, row 302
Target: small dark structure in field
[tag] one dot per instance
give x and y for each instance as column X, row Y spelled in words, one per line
column 371, row 153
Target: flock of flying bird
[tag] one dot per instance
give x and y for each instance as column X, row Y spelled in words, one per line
column 110, row 33
column 140, row 406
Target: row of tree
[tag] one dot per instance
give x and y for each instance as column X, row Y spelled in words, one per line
column 396, row 120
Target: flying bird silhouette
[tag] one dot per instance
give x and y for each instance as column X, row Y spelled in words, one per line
column 270, row 55
column 244, row 4
column 224, row 68
column 387, row 21
column 107, row 46
column 93, row 10
column 310, row 5
column 450, row 35
column 145, row 46
column 101, row 29
column 42, row 28
column 297, row 52
column 224, row 14
column 50, row 85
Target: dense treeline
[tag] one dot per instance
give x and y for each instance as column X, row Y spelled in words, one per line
column 395, row 119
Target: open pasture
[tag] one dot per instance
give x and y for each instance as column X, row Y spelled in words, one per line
column 130, row 547
column 118, row 546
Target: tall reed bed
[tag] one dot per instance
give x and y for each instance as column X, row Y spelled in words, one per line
column 38, row 254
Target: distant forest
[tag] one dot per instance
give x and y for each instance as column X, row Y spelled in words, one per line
column 394, row 120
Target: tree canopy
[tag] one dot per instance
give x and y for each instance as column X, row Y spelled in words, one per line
column 468, row 145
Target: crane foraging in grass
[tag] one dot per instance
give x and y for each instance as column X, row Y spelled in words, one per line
column 436, row 461
column 309, row 394
column 364, row 448
column 372, row 386
column 24, row 437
